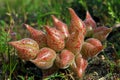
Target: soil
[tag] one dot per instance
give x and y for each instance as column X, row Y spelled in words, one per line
column 102, row 69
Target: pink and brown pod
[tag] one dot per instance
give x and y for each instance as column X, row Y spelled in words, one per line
column 45, row 58
column 55, row 39
column 61, row 26
column 90, row 24
column 79, row 65
column 76, row 23
column 91, row 47
column 101, row 33
column 27, row 48
column 74, row 42
column 64, row 59
column 37, row 35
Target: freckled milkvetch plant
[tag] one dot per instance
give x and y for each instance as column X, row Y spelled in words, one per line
column 61, row 45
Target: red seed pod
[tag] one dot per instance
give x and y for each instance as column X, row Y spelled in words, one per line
column 61, row 26
column 55, row 39
column 45, row 58
column 89, row 21
column 94, row 42
column 64, row 59
column 38, row 35
column 76, row 23
column 27, row 48
column 79, row 65
column 91, row 47
column 101, row 33
column 88, row 50
column 74, row 42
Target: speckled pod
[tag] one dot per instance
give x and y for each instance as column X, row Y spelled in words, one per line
column 55, row 39
column 90, row 25
column 76, row 23
column 101, row 33
column 89, row 22
column 61, row 26
column 38, row 35
column 74, row 42
column 91, row 47
column 27, row 48
column 79, row 65
column 45, row 58
column 64, row 59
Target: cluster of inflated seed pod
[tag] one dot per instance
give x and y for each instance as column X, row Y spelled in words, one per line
column 62, row 45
